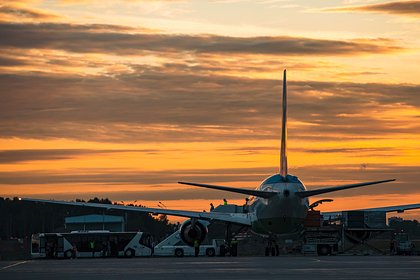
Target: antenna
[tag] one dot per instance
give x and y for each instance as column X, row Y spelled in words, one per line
column 283, row 154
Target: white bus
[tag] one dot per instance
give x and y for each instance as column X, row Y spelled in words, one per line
column 89, row 244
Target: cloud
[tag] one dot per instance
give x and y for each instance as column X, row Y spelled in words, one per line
column 406, row 8
column 153, row 105
column 355, row 151
column 92, row 1
column 91, row 39
column 27, row 155
column 11, row 61
column 128, row 177
column 17, row 13
column 161, row 185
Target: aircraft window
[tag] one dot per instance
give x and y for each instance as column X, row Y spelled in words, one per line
column 274, row 179
column 267, row 189
column 277, row 178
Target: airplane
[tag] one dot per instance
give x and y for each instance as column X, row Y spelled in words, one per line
column 277, row 208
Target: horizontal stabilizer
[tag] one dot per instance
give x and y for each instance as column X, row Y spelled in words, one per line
column 396, row 208
column 338, row 188
column 387, row 209
column 263, row 194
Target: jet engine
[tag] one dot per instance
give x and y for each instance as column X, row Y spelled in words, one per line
column 192, row 230
column 356, row 236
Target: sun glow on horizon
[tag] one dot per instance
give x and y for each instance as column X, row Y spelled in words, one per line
column 122, row 99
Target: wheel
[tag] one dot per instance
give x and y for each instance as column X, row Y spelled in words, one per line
column 129, row 253
column 179, row 252
column 68, row 254
column 324, row 250
column 210, row 252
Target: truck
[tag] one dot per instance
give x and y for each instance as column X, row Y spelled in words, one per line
column 403, row 245
column 174, row 246
column 319, row 239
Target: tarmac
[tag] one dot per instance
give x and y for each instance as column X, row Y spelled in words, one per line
column 170, row 268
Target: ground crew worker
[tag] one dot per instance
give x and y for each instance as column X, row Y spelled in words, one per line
column 234, row 247
column 245, row 207
column 211, row 207
column 225, row 201
column 92, row 247
column 392, row 246
column 276, row 248
column 196, row 247
column 74, row 251
column 104, row 249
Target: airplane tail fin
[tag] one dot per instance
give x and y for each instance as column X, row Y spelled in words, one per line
column 283, row 150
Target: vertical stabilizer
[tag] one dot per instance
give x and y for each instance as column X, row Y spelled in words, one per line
column 283, row 150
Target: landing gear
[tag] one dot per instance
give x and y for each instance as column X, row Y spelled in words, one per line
column 323, row 250
column 179, row 253
column 228, row 233
column 272, row 247
column 228, row 239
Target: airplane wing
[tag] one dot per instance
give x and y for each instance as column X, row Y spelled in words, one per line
column 236, row 218
column 396, row 208
column 338, row 188
column 258, row 193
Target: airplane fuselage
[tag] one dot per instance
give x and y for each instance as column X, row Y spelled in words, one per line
column 283, row 213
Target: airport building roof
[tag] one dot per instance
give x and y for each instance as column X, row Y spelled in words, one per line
column 94, row 218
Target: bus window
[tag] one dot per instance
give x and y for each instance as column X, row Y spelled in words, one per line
column 124, row 239
column 42, row 244
column 113, row 241
column 84, row 244
column 51, row 245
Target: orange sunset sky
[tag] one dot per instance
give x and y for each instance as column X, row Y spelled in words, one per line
column 122, row 99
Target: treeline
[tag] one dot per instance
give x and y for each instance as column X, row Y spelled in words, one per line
column 19, row 219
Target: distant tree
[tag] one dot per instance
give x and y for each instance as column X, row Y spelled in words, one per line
column 102, row 200
column 412, row 227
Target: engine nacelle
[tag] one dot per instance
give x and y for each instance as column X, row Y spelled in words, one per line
column 355, row 236
column 192, row 230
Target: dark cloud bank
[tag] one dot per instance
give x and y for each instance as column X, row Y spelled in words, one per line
column 93, row 39
column 179, row 102
column 158, row 106
column 408, row 8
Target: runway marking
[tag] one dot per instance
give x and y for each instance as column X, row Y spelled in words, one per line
column 12, row 265
column 210, row 263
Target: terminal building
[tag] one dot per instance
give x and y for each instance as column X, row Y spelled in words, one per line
column 95, row 222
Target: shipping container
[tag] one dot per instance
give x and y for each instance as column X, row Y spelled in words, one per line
column 364, row 219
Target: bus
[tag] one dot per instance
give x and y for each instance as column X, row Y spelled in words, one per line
column 90, row 244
